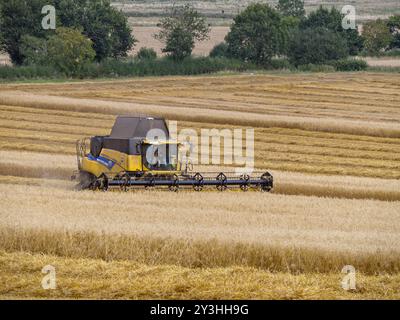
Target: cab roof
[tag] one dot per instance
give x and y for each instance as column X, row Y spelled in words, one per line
column 127, row 127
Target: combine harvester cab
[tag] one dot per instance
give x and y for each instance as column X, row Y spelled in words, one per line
column 127, row 159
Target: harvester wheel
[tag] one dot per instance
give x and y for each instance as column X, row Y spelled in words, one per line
column 125, row 178
column 151, row 179
column 198, row 186
column 245, row 185
column 266, row 187
column 103, row 183
column 221, row 178
column 174, row 187
column 86, row 180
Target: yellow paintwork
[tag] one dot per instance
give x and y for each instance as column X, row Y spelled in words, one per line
column 123, row 162
column 92, row 167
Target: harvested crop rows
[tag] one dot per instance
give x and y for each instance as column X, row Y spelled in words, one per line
column 332, row 141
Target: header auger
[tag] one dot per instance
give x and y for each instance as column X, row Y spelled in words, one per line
column 126, row 159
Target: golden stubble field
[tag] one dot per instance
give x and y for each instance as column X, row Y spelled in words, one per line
column 332, row 142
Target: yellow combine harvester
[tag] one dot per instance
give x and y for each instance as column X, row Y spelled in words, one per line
column 127, row 159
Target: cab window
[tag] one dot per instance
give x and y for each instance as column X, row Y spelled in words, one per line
column 163, row 157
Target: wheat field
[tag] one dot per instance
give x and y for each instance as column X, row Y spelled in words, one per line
column 332, row 142
column 93, row 279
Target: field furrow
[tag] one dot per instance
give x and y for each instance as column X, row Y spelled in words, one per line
column 244, row 227
column 332, row 143
column 22, row 164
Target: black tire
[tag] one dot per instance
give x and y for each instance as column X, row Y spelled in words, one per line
column 86, row 180
column 267, row 187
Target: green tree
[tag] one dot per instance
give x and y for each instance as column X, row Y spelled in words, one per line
column 104, row 25
column 316, row 46
column 332, row 20
column 34, row 50
column 1, row 31
column 292, row 8
column 19, row 18
column 324, row 18
column 180, row 29
column 220, row 50
column 257, row 34
column 69, row 50
column 394, row 26
column 179, row 44
column 146, row 54
column 377, row 36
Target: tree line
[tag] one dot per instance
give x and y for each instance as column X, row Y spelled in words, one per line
column 94, row 31
column 262, row 32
